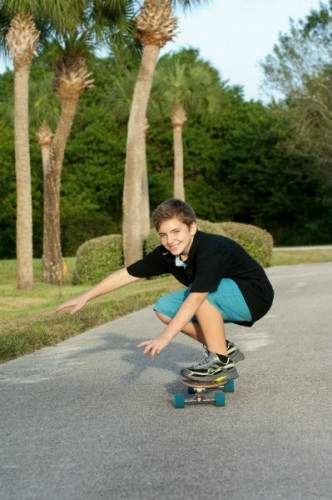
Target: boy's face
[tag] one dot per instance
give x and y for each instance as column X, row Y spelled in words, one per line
column 176, row 236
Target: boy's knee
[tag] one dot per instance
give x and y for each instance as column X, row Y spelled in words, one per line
column 162, row 309
column 163, row 317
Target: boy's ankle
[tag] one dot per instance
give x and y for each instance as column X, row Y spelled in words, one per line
column 223, row 358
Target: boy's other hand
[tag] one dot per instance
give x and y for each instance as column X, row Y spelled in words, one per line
column 74, row 305
column 154, row 347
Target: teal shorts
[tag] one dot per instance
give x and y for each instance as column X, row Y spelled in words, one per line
column 228, row 299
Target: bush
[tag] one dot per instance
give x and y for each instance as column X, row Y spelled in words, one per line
column 151, row 242
column 210, row 227
column 97, row 258
column 256, row 241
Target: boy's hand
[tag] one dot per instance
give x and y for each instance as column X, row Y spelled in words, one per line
column 154, row 347
column 74, row 304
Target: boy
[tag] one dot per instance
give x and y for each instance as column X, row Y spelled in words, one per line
column 224, row 284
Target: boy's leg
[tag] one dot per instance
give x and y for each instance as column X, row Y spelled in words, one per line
column 209, row 330
column 213, row 329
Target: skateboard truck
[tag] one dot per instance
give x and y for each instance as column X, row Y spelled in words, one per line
column 203, row 393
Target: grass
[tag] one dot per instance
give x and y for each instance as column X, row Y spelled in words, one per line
column 28, row 321
column 284, row 258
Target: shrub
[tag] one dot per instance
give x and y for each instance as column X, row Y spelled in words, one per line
column 151, row 242
column 98, row 257
column 256, row 241
column 209, row 227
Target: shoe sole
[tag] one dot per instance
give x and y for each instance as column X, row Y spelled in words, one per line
column 221, row 377
column 235, row 358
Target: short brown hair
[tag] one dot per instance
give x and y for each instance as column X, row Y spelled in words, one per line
column 173, row 208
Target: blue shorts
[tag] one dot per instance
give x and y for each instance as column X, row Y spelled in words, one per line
column 228, row 299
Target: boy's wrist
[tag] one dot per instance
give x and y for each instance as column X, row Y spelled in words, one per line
column 169, row 332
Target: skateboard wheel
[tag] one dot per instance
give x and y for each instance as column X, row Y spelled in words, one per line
column 219, row 399
column 230, row 386
column 191, row 390
column 179, row 400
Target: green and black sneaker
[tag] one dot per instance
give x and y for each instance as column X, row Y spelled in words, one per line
column 233, row 352
column 211, row 370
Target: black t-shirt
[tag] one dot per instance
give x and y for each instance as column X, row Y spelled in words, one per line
column 211, row 258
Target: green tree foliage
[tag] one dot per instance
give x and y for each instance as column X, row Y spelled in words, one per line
column 300, row 70
column 237, row 167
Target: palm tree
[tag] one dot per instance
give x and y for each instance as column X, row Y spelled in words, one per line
column 156, row 25
column 99, row 20
column 22, row 39
column 18, row 21
column 184, row 85
column 72, row 79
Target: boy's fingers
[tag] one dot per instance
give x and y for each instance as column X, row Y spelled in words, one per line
column 149, row 348
column 142, row 344
column 65, row 305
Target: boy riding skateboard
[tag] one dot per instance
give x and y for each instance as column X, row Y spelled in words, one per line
column 223, row 284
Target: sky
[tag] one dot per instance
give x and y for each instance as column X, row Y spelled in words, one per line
column 235, row 35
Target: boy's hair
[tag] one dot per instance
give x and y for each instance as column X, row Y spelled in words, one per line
column 173, row 208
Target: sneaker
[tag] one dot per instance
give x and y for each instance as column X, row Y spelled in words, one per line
column 233, row 352
column 212, row 370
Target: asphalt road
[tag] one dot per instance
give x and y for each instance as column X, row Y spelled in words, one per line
column 92, row 419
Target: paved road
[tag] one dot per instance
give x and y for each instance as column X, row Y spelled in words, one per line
column 69, row 430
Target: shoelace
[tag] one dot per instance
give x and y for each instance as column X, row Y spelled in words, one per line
column 206, row 355
column 204, row 358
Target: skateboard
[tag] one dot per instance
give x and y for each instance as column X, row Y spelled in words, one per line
column 204, row 393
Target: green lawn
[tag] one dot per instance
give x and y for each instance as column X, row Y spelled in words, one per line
column 284, row 258
column 28, row 321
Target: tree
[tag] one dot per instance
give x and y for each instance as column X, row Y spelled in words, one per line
column 185, row 85
column 22, row 39
column 300, row 54
column 300, row 69
column 71, row 80
column 18, row 22
column 155, row 27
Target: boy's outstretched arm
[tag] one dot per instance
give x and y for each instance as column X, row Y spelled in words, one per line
column 112, row 282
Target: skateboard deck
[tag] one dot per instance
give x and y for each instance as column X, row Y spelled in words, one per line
column 204, row 392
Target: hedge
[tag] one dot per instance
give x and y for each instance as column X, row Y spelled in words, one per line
column 98, row 257
column 256, row 241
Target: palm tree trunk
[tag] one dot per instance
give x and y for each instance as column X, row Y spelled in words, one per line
column 145, row 193
column 24, row 249
column 178, row 163
column 135, row 168
column 52, row 254
column 178, row 119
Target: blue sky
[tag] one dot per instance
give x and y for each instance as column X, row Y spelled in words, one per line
column 235, row 35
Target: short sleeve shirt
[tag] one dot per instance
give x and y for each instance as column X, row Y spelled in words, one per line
column 212, row 258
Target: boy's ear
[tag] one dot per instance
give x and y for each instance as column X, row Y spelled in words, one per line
column 193, row 228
